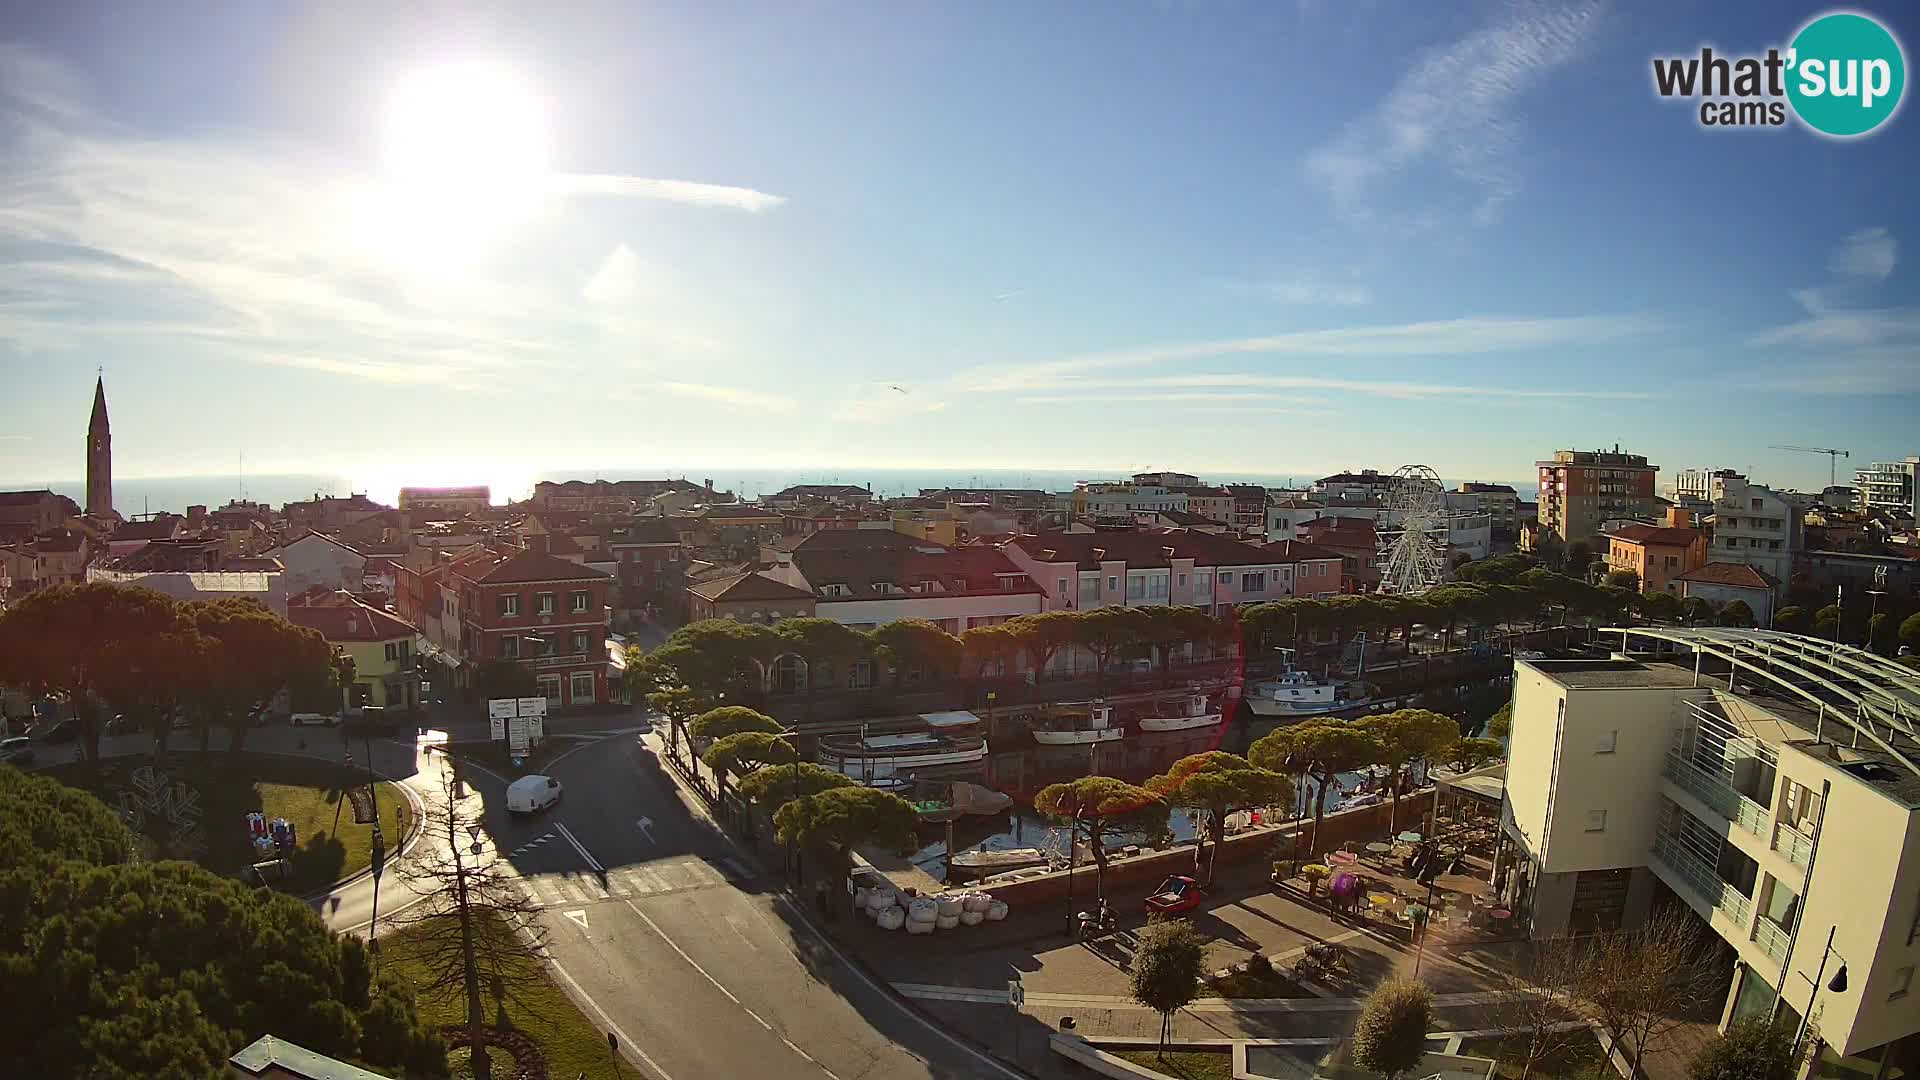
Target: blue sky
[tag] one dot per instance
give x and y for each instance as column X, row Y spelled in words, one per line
column 1227, row 237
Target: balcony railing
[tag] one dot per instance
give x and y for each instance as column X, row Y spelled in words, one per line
column 1709, row 789
column 1700, row 877
column 1790, row 842
column 1772, row 938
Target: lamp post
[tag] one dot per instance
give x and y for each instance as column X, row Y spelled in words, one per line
column 1073, row 838
column 1838, row 986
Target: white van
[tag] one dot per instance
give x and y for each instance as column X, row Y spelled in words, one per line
column 532, row 794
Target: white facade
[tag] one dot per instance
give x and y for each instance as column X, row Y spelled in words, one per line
column 1754, row 526
column 1890, row 486
column 1651, row 767
column 264, row 587
column 1121, row 500
column 321, row 561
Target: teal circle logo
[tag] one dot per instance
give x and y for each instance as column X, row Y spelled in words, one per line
column 1845, row 74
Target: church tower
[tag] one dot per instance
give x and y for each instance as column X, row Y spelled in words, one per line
column 99, row 456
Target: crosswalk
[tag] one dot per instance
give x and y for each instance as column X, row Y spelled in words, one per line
column 656, row 878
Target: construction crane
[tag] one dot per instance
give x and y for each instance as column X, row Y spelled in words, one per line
column 1833, row 458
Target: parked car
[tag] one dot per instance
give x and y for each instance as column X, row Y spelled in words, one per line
column 17, row 750
column 1175, row 895
column 67, row 730
column 304, row 719
column 123, row 725
column 532, row 793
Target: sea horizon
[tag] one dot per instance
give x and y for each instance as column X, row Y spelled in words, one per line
column 139, row 496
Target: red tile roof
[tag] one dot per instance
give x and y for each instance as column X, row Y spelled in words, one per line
column 1736, row 574
column 902, row 569
column 1296, row 551
column 352, row 621
column 1140, row 548
column 528, row 566
column 1655, row 535
column 748, row 587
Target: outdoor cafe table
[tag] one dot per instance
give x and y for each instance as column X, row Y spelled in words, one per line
column 1378, row 848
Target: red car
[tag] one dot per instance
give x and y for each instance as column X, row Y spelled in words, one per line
column 1176, row 894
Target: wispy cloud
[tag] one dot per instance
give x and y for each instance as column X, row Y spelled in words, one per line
column 1869, row 253
column 1450, row 337
column 884, row 403
column 16, row 438
column 259, row 251
column 751, row 400
column 1454, row 110
column 680, row 191
column 1862, row 371
column 1310, row 292
column 1395, row 388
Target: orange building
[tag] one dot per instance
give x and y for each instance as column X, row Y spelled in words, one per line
column 1658, row 553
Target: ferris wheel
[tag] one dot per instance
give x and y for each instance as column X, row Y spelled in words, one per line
column 1413, row 532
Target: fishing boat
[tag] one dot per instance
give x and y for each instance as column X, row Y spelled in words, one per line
column 981, row 863
column 1079, row 725
column 1299, row 693
column 1180, row 714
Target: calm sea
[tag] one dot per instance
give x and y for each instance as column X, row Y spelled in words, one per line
column 176, row 493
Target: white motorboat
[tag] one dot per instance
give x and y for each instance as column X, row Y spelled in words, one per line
column 1298, row 693
column 1180, row 714
column 1080, row 726
column 879, row 757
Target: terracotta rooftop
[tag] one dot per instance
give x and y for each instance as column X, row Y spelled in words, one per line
column 1299, row 551
column 349, row 621
column 1655, row 535
column 748, row 587
column 1738, row 574
column 1140, row 548
column 898, row 570
column 528, row 566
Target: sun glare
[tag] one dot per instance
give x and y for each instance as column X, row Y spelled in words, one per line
column 464, row 155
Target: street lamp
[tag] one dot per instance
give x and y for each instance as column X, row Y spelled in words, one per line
column 1837, row 985
column 1073, row 845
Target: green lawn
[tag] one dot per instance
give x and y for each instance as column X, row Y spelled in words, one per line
column 1581, row 1060
column 224, row 789
column 535, row 1006
column 1185, row 1064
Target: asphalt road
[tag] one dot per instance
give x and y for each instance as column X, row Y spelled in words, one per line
column 694, row 960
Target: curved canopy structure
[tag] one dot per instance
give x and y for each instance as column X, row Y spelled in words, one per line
column 1877, row 698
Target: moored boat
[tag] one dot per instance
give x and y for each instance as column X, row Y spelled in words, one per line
column 1180, row 714
column 1299, row 693
column 1079, row 725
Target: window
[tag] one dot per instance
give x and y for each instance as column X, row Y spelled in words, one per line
column 1757, row 504
column 1320, row 570
column 1607, row 742
column 1901, row 982
column 1113, row 583
column 1183, row 581
column 510, row 647
column 577, row 601
column 540, row 646
column 510, row 604
column 582, row 687
column 580, row 641
column 543, row 603
column 1596, row 821
column 1136, row 586
column 1060, row 586
column 550, row 688
column 1226, row 579
column 401, row 651
column 1251, row 582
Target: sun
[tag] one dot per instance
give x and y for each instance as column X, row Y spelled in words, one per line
column 463, row 155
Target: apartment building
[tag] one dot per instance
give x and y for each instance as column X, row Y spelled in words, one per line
column 1769, row 781
column 1285, row 517
column 866, row 577
column 383, row 646
column 650, row 574
column 1249, row 508
column 540, row 611
column 1212, row 503
column 1658, row 554
column 1166, row 479
column 471, row 499
column 1353, row 487
column 1754, row 526
column 1144, row 567
column 1499, row 502
column 1890, row 486
column 1121, row 500
column 1581, row 488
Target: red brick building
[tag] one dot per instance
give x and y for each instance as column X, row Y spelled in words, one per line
column 649, row 570
column 542, row 612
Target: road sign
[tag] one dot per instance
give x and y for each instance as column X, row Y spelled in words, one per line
column 501, row 708
column 533, row 706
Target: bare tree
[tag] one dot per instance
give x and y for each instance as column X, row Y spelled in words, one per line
column 475, row 928
column 1642, row 983
column 1539, row 1002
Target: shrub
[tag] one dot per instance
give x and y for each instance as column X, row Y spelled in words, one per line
column 1391, row 1035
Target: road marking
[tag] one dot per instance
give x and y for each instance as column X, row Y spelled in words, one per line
column 531, row 844
column 695, row 965
column 567, row 834
column 626, row 1041
column 876, row 987
column 577, row 915
column 646, row 828
column 733, row 923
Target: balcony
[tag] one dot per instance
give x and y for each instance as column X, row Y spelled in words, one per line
column 1772, row 938
column 1696, row 875
column 1714, row 792
column 1791, row 843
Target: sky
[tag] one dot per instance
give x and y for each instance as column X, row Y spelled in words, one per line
column 445, row 242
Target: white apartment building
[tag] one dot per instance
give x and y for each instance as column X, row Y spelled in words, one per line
column 1754, row 526
column 1121, row 500
column 1769, row 781
column 1890, row 486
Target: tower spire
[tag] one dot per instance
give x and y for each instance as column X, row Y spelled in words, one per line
column 99, row 454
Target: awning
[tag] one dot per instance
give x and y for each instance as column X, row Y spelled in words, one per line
column 1488, row 783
